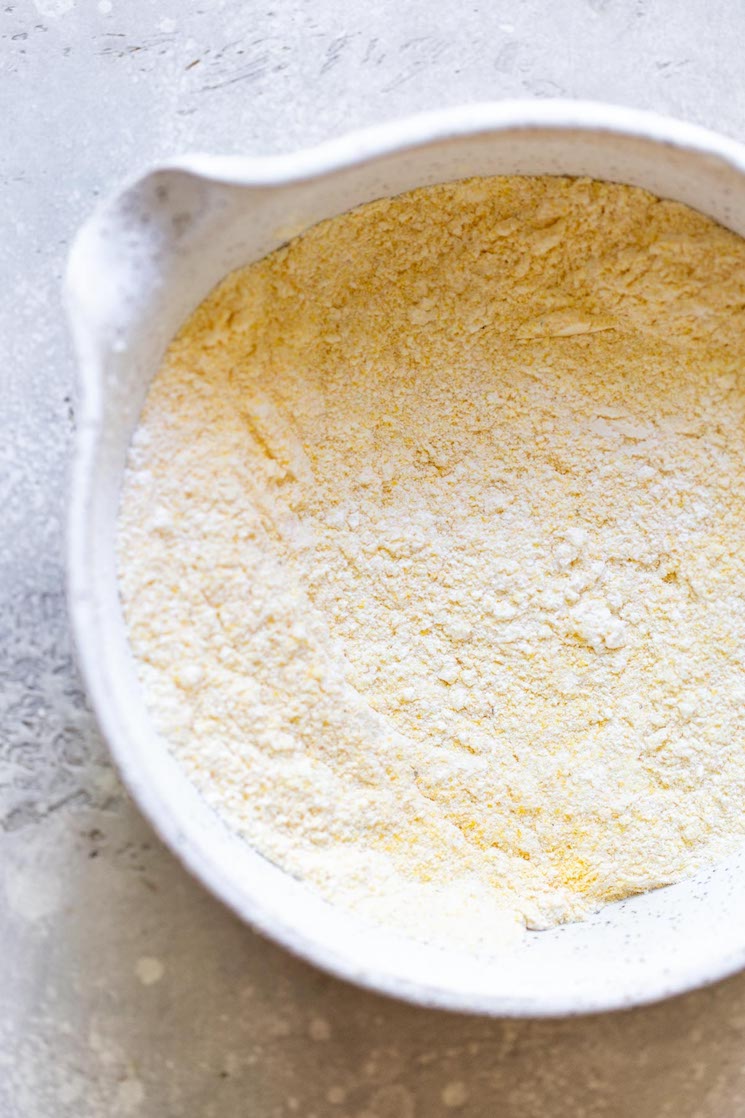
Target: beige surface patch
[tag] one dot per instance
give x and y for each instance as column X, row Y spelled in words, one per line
column 430, row 551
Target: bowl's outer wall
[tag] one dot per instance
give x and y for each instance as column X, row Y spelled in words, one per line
column 140, row 265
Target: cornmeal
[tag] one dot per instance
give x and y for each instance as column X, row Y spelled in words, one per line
column 432, row 552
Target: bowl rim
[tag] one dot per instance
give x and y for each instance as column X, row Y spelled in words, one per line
column 352, row 149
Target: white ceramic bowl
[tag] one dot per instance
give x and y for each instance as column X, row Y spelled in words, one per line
column 137, row 269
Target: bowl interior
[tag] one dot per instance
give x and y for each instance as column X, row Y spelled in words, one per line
column 139, row 267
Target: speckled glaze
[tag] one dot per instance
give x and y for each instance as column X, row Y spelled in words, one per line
column 137, row 269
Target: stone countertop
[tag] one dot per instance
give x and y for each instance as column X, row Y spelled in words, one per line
column 124, row 988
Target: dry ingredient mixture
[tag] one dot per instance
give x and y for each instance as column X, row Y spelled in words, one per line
column 431, row 552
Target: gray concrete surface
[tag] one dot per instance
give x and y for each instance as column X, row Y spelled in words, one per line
column 124, row 988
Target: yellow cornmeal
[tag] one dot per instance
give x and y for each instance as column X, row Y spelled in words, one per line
column 432, row 552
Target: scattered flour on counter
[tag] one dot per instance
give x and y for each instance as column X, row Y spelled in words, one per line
column 149, row 970
column 431, row 552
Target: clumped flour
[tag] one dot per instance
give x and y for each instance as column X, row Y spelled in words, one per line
column 431, row 552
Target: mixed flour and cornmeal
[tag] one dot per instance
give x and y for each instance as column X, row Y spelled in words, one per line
column 431, row 550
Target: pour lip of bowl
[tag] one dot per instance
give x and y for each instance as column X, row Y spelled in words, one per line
column 94, row 330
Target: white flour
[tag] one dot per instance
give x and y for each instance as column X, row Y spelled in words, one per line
column 431, row 551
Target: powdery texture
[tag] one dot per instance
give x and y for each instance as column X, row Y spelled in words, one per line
column 431, row 552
